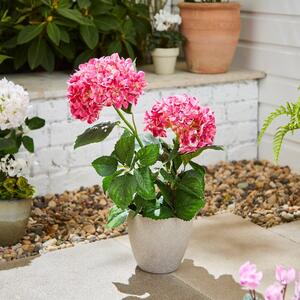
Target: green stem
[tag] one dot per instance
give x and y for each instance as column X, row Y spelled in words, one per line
column 132, row 128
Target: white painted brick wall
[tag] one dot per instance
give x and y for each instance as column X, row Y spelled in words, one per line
column 58, row 167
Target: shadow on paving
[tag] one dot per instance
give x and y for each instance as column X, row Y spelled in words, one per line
column 142, row 285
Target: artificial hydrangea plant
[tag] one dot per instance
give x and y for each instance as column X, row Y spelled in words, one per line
column 145, row 174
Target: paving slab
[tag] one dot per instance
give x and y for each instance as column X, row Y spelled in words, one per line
column 103, row 270
column 288, row 230
column 107, row 270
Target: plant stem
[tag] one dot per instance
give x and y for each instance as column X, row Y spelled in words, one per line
column 132, row 128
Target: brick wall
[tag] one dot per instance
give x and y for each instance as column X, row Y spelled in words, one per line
column 57, row 167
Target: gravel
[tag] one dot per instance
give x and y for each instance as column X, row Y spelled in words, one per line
column 266, row 194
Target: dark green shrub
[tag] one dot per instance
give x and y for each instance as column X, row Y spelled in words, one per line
column 60, row 34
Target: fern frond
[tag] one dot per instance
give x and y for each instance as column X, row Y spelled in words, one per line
column 278, row 112
column 278, row 139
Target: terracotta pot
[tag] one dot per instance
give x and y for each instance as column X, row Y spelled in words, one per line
column 212, row 31
column 14, row 216
column 158, row 245
column 164, row 60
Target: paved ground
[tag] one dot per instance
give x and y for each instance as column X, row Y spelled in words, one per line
column 106, row 269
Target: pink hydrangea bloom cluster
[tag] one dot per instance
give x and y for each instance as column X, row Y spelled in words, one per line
column 102, row 82
column 193, row 124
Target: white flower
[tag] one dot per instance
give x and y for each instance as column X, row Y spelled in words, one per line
column 14, row 102
column 164, row 20
column 12, row 166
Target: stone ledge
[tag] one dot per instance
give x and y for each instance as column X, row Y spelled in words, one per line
column 53, row 85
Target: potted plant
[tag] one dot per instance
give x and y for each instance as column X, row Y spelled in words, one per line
column 15, row 191
column 165, row 41
column 212, row 29
column 154, row 184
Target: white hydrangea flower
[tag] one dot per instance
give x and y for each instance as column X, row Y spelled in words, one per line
column 164, row 20
column 14, row 102
column 13, row 166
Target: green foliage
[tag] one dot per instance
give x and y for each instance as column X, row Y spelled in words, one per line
column 149, row 179
column 12, row 139
column 291, row 110
column 165, row 39
column 15, row 188
column 95, row 134
column 60, row 34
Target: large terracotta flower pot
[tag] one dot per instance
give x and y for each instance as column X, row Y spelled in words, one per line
column 212, row 32
column 158, row 245
column 14, row 216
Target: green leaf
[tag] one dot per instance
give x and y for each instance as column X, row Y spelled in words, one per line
column 29, row 32
column 35, row 123
column 200, row 169
column 129, row 49
column 74, row 15
column 90, row 35
column 3, row 58
column 84, row 4
column 167, row 176
column 105, row 165
column 145, row 184
column 189, row 195
column 6, row 144
column 64, row 36
column 114, row 47
column 148, row 155
column 156, row 211
column 193, row 183
column 124, row 149
column 47, row 2
column 28, row 143
column 166, row 192
column 53, row 32
column 107, row 23
column 35, row 52
column 122, row 189
column 116, row 217
column 95, row 134
column 187, row 157
column 48, row 60
column 83, row 57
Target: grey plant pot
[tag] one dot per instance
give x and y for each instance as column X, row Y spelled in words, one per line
column 158, row 245
column 14, row 216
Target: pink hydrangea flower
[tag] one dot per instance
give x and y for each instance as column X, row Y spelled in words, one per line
column 274, row 292
column 101, row 82
column 193, row 124
column 285, row 275
column 249, row 277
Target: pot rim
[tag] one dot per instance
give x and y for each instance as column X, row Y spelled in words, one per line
column 209, row 6
column 16, row 200
column 131, row 215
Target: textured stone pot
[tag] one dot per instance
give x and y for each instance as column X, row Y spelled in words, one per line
column 14, row 216
column 212, row 31
column 164, row 60
column 158, row 245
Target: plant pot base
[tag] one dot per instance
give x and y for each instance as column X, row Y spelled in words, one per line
column 164, row 60
column 158, row 245
column 14, row 216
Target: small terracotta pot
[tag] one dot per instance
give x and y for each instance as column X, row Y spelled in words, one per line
column 212, row 31
column 14, row 216
column 164, row 60
column 158, row 245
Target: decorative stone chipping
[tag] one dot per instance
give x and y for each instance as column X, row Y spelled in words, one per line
column 57, row 167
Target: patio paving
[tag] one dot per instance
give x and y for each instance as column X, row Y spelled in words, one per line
column 107, row 270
